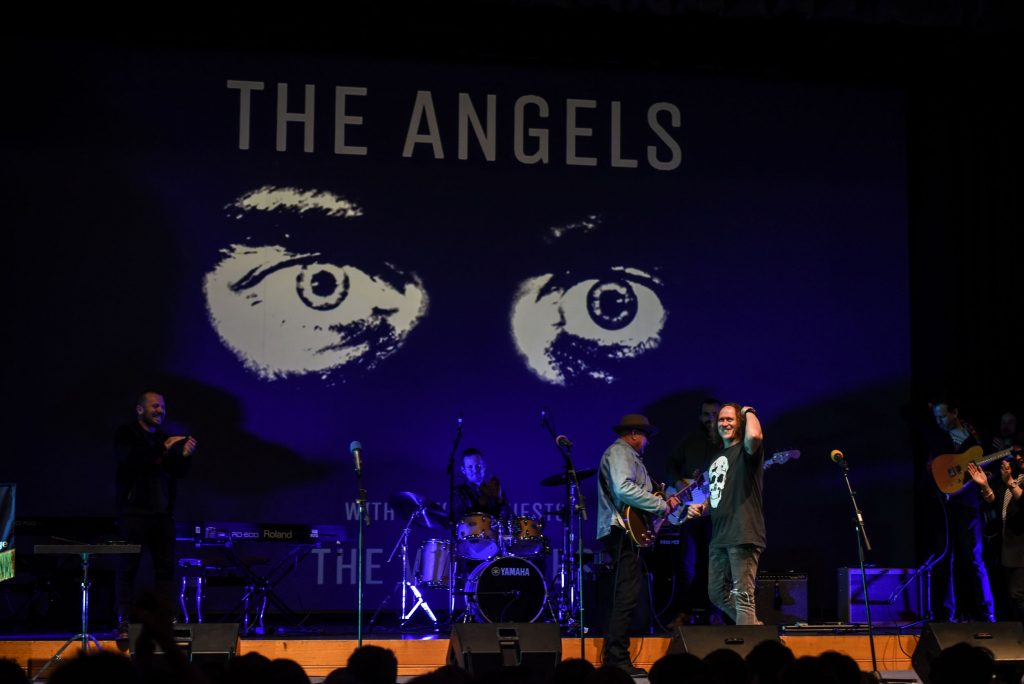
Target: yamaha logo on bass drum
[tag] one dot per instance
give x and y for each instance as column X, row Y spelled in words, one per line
column 510, row 572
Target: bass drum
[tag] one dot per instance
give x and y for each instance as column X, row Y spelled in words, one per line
column 507, row 589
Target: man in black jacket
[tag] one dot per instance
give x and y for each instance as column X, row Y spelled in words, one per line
column 149, row 463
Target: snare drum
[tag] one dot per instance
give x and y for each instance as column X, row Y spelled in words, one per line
column 525, row 538
column 432, row 564
column 479, row 537
column 507, row 590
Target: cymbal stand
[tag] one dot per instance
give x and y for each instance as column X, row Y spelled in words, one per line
column 452, row 521
column 404, row 584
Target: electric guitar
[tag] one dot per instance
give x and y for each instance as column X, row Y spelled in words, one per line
column 643, row 527
column 950, row 470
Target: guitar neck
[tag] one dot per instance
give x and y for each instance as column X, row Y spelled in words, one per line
column 997, row 456
column 780, row 457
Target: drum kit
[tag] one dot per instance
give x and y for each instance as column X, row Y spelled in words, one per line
column 497, row 561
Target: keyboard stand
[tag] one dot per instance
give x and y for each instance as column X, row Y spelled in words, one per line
column 84, row 551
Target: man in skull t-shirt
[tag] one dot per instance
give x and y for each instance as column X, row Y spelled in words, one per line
column 737, row 519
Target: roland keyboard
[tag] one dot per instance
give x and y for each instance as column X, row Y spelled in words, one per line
column 212, row 533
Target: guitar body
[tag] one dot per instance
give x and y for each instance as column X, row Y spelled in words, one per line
column 950, row 470
column 641, row 526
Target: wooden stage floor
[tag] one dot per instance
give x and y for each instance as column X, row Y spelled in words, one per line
column 416, row 655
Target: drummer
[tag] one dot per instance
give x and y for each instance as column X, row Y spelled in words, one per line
column 478, row 495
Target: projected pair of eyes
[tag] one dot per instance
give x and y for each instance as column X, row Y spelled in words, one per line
column 291, row 314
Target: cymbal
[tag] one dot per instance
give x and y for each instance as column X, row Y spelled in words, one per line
column 431, row 519
column 424, row 513
column 559, row 478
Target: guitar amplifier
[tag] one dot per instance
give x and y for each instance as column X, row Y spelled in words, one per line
column 781, row 598
column 893, row 600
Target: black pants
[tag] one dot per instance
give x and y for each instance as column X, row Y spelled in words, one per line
column 692, row 575
column 156, row 535
column 625, row 595
column 1015, row 588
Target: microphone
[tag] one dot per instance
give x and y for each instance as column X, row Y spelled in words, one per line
column 357, row 451
column 563, row 442
column 544, row 416
column 460, row 420
column 837, row 457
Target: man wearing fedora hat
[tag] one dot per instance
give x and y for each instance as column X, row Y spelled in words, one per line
column 624, row 481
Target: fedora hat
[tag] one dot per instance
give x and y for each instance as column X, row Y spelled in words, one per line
column 634, row 421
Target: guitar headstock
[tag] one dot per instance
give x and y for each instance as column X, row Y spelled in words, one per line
column 780, row 457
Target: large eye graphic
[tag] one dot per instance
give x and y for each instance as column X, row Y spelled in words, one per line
column 291, row 314
column 583, row 329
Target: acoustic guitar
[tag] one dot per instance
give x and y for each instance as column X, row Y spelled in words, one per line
column 950, row 470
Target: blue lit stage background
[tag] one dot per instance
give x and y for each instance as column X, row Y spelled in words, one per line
column 289, row 301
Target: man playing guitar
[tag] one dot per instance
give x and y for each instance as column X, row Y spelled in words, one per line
column 624, row 481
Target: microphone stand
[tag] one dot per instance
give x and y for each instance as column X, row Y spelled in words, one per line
column 577, row 515
column 863, row 544
column 364, row 521
column 924, row 594
column 451, row 523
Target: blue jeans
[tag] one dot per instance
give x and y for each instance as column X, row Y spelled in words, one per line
column 963, row 567
column 732, row 571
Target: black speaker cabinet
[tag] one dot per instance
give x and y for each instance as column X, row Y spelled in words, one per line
column 703, row 639
column 896, row 596
column 781, row 598
column 480, row 649
column 1004, row 639
column 201, row 643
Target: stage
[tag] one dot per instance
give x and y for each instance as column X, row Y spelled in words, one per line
column 419, row 654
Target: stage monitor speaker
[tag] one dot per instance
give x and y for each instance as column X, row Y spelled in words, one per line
column 480, row 649
column 201, row 643
column 703, row 639
column 1004, row 639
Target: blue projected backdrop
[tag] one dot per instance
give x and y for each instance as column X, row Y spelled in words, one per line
column 304, row 252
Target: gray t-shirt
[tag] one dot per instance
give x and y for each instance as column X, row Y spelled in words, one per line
column 735, row 479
